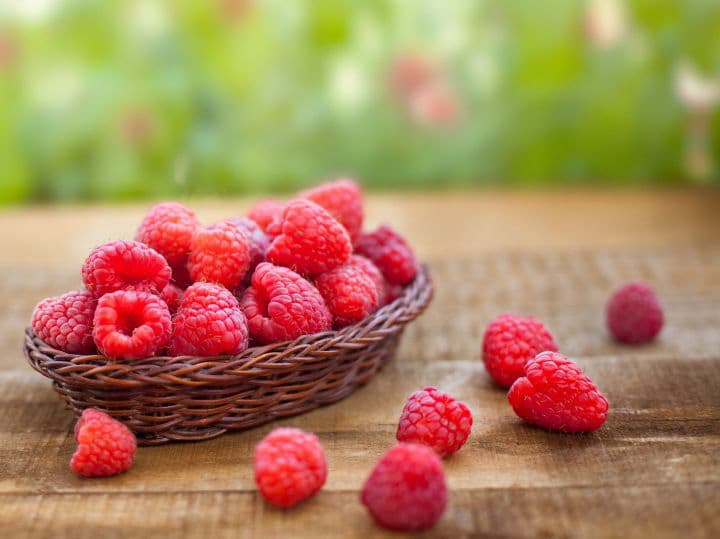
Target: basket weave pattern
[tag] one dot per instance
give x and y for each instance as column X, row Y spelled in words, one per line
column 166, row 399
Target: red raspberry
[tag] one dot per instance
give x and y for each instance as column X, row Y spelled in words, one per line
column 258, row 242
column 289, row 466
column 131, row 324
column 432, row 417
column 281, row 305
column 374, row 273
column 634, row 314
column 406, row 490
column 172, row 295
column 510, row 341
column 105, row 446
column 168, row 228
column 209, row 322
column 219, row 254
column 65, row 322
column 343, row 200
column 311, row 242
column 125, row 265
column 556, row 395
column 390, row 253
column 265, row 211
column 349, row 292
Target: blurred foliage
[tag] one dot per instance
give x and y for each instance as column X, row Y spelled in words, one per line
column 126, row 99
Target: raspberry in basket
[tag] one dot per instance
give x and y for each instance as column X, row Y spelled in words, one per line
column 432, row 417
column 343, row 199
column 406, row 490
column 65, row 322
column 372, row 270
column 209, row 322
column 172, row 295
column 265, row 211
column 389, row 251
column 310, row 241
column 129, row 324
column 349, row 292
column 219, row 254
column 258, row 241
column 281, row 305
column 557, row 395
column 168, row 228
column 125, row 265
column 509, row 342
column 634, row 314
column 105, row 446
column 289, row 466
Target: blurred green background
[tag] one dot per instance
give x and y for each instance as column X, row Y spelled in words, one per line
column 104, row 100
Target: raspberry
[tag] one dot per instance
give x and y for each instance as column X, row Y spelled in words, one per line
column 633, row 314
column 65, row 322
column 390, row 253
column 172, row 295
column 406, row 490
column 265, row 212
column 125, row 265
column 289, row 466
column 131, row 324
column 258, row 241
column 343, row 200
column 311, row 241
column 219, row 254
column 393, row 292
column 556, row 395
column 209, row 322
column 168, row 228
column 281, row 305
column 105, row 446
column 349, row 292
column 510, row 341
column 432, row 417
column 374, row 273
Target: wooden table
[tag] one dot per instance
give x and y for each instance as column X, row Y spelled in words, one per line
column 652, row 471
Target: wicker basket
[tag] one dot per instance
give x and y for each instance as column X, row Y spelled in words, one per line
column 165, row 399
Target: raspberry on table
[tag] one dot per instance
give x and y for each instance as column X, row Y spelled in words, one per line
column 105, row 446
column 555, row 394
column 634, row 314
column 406, row 490
column 130, row 324
column 509, row 342
column 219, row 254
column 265, row 211
column 209, row 322
column 374, row 273
column 168, row 228
column 65, row 322
column 281, row 305
column 172, row 295
column 311, row 241
column 432, row 417
column 389, row 251
column 125, row 265
column 258, row 242
column 349, row 292
column 289, row 466
column 343, row 199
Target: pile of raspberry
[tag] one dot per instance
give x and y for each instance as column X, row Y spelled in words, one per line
column 284, row 270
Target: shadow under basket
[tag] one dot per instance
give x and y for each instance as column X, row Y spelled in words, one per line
column 187, row 398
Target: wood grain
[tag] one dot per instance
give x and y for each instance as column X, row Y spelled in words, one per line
column 652, row 471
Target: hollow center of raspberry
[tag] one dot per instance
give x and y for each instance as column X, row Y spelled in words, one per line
column 128, row 321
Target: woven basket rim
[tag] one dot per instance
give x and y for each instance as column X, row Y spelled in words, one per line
column 98, row 371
